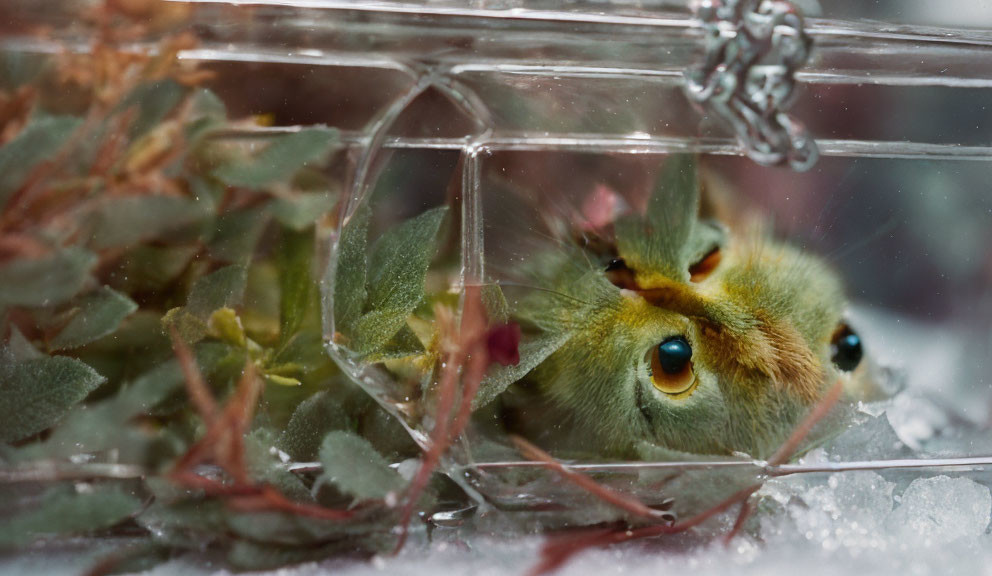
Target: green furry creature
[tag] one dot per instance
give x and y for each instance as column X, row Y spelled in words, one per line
column 671, row 331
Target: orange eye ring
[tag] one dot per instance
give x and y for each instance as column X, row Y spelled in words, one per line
column 671, row 367
column 702, row 269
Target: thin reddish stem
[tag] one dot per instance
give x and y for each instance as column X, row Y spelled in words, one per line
column 469, row 351
column 555, row 554
column 626, row 503
column 819, row 411
column 197, row 389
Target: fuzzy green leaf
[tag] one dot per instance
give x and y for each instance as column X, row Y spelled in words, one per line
column 20, row 348
column 404, row 343
column 265, row 467
column 219, row 289
column 495, row 303
column 280, row 159
column 18, row 68
column 295, row 279
column 348, row 280
column 207, row 113
column 38, row 142
column 146, row 268
column 303, row 209
column 237, row 233
column 120, row 222
column 223, row 288
column 312, row 420
column 532, row 352
column 398, row 269
column 355, row 468
column 45, row 281
column 63, row 512
column 35, row 394
column 105, row 424
column 205, row 104
column 94, row 316
column 154, row 102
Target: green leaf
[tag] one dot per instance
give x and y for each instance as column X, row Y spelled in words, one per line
column 237, row 233
column 18, row 68
column 495, row 303
column 94, row 316
column 121, row 222
column 182, row 521
column 35, row 394
column 64, row 512
column 105, row 425
column 205, row 104
column 154, row 101
column 353, row 466
column 312, row 420
column 223, row 288
column 207, row 113
column 405, row 343
column 348, row 275
column 295, row 279
column 45, row 281
column 265, row 467
column 280, row 159
column 225, row 326
column 38, row 142
column 146, row 268
column 398, row 269
column 20, row 348
column 532, row 352
column 191, row 328
column 301, row 210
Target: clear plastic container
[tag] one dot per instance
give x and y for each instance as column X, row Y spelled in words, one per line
column 508, row 113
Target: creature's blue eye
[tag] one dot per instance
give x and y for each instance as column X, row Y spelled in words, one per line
column 673, row 355
column 671, row 367
column 845, row 348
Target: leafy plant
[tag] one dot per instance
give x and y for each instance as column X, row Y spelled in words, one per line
column 146, row 325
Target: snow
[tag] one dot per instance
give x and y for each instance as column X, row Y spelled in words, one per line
column 939, row 510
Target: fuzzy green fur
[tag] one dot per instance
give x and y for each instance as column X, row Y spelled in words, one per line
column 759, row 326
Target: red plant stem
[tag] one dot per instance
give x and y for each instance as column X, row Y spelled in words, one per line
column 555, row 554
column 446, row 401
column 469, row 352
column 198, row 392
column 819, row 411
column 626, row 503
column 473, row 331
column 742, row 516
column 268, row 499
column 224, row 444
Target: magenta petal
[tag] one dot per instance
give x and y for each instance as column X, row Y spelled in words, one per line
column 503, row 342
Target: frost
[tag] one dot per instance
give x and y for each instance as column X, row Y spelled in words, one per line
column 940, row 510
column 916, row 420
column 871, row 439
column 849, row 511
